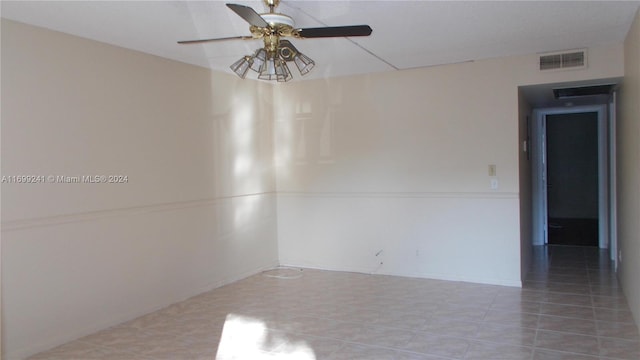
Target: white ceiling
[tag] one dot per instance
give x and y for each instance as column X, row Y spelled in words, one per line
column 406, row 34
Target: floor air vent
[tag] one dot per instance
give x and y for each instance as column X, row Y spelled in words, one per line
column 564, row 60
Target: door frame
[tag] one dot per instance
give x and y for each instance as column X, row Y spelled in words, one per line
column 539, row 171
column 613, row 206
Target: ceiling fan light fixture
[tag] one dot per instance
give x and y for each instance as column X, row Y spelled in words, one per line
column 304, row 63
column 270, row 65
column 241, row 67
column 270, row 62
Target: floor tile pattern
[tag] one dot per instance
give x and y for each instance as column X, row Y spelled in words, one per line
column 571, row 307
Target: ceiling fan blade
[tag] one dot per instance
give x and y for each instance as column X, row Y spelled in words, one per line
column 335, row 31
column 249, row 15
column 216, row 39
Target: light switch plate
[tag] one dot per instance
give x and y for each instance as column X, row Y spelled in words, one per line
column 494, row 184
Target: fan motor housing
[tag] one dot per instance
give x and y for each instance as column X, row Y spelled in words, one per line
column 279, row 24
column 276, row 20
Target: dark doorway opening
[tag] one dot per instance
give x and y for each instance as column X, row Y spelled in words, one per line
column 572, row 185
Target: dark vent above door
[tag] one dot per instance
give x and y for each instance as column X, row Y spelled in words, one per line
column 563, row 60
column 592, row 90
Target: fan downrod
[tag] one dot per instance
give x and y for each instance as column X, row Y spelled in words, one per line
column 272, row 4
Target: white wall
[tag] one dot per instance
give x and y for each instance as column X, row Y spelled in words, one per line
column 628, row 171
column 198, row 209
column 396, row 164
column 388, row 162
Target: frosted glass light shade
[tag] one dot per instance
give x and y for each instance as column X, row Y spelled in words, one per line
column 275, row 68
column 258, row 59
column 241, row 66
column 304, row 63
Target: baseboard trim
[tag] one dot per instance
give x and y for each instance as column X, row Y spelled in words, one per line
column 430, row 276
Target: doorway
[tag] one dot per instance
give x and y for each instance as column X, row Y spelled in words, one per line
column 570, row 201
column 572, row 178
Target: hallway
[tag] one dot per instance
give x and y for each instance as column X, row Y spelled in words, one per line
column 581, row 305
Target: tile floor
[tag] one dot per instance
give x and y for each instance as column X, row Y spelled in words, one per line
column 570, row 308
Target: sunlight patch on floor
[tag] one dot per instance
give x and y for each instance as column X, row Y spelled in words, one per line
column 245, row 337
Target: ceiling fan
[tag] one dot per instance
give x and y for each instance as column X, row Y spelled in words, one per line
column 270, row 61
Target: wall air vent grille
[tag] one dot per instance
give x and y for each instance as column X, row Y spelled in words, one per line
column 564, row 60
